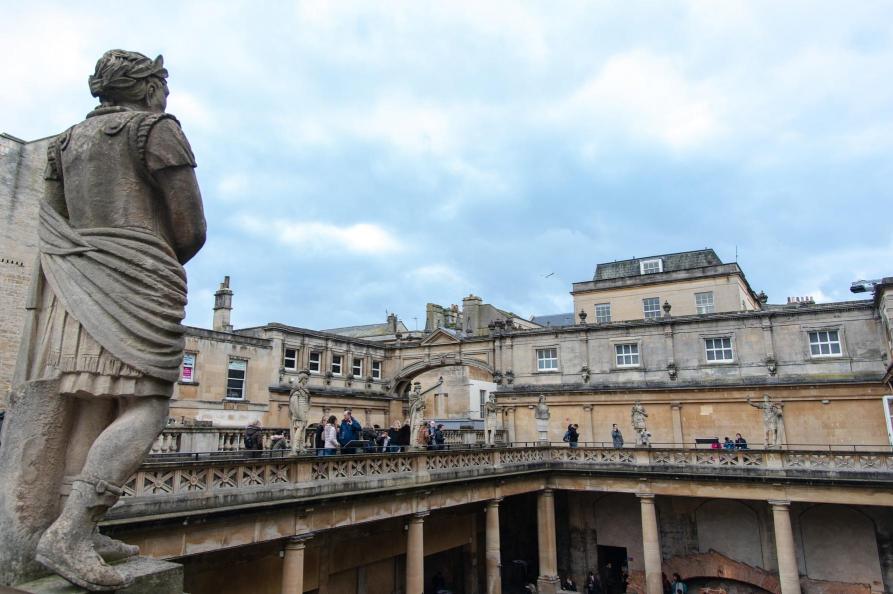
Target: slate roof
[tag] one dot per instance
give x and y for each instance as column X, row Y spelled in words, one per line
column 671, row 262
column 554, row 320
column 367, row 330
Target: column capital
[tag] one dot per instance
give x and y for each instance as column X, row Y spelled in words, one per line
column 419, row 517
column 547, row 492
column 587, row 407
column 299, row 541
column 676, row 405
column 780, row 504
column 494, row 502
column 649, row 497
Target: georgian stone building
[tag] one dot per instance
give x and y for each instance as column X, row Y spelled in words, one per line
column 805, row 509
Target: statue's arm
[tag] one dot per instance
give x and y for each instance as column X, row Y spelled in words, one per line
column 184, row 206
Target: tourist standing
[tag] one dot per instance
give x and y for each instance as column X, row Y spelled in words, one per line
column 330, row 437
column 348, row 431
column 740, row 442
column 616, row 436
column 438, row 438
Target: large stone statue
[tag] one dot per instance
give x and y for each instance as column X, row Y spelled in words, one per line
column 638, row 416
column 103, row 340
column 298, row 411
column 771, row 419
column 490, row 420
column 416, row 413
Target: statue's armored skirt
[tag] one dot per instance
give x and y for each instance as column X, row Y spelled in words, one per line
column 108, row 294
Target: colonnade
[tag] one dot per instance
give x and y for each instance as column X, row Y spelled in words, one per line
column 548, row 581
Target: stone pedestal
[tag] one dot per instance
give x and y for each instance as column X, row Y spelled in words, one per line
column 542, row 430
column 151, row 576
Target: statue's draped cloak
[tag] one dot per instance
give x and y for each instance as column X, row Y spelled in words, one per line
column 108, row 301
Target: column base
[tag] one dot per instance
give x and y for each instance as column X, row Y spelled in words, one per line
column 150, row 576
column 548, row 584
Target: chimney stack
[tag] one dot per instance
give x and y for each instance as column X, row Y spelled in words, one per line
column 392, row 323
column 223, row 307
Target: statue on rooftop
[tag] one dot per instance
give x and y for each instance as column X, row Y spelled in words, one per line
column 103, row 341
column 771, row 418
column 299, row 411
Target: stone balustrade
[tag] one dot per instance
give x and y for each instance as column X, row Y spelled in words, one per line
column 221, row 476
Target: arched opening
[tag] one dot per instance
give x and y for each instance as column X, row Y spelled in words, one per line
column 731, row 528
column 839, row 543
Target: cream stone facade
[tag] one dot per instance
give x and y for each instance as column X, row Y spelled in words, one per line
column 689, row 283
column 811, row 513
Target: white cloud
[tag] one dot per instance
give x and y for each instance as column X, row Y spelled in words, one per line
column 440, row 274
column 361, row 238
column 649, row 97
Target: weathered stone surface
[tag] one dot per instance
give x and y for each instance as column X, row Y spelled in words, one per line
column 121, row 213
column 150, row 576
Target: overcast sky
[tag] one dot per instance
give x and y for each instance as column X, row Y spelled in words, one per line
column 363, row 157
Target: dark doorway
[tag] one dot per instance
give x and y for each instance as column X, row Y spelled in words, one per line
column 444, row 572
column 612, row 567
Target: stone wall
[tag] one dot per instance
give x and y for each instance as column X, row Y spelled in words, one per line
column 21, row 186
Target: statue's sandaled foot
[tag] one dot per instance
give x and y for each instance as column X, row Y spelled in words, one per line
column 67, row 546
column 111, row 549
column 79, row 564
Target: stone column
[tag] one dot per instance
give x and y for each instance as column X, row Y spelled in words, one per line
column 587, row 412
column 651, row 545
column 547, row 582
column 510, row 423
column 293, row 565
column 415, row 554
column 788, row 575
column 491, row 550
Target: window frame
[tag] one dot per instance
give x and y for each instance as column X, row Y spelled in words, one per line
column 244, row 379
column 354, row 366
column 537, row 359
column 375, row 372
column 311, row 363
column 722, row 349
column 656, row 312
column 712, row 304
column 638, row 354
column 339, row 363
column 191, row 381
column 285, row 358
column 828, row 330
column 597, row 317
column 643, row 264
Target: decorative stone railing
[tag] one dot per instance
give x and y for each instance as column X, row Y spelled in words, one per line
column 202, row 476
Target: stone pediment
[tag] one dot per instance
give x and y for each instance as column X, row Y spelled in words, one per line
column 440, row 336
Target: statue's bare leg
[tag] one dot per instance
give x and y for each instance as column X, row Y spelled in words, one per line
column 66, row 547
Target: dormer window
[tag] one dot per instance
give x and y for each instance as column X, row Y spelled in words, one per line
column 651, row 266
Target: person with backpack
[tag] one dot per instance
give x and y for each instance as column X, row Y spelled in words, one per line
column 572, row 435
column 254, row 439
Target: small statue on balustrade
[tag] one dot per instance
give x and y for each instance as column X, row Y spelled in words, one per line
column 298, row 410
column 490, row 419
column 771, row 419
column 638, row 416
column 416, row 412
column 542, row 409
